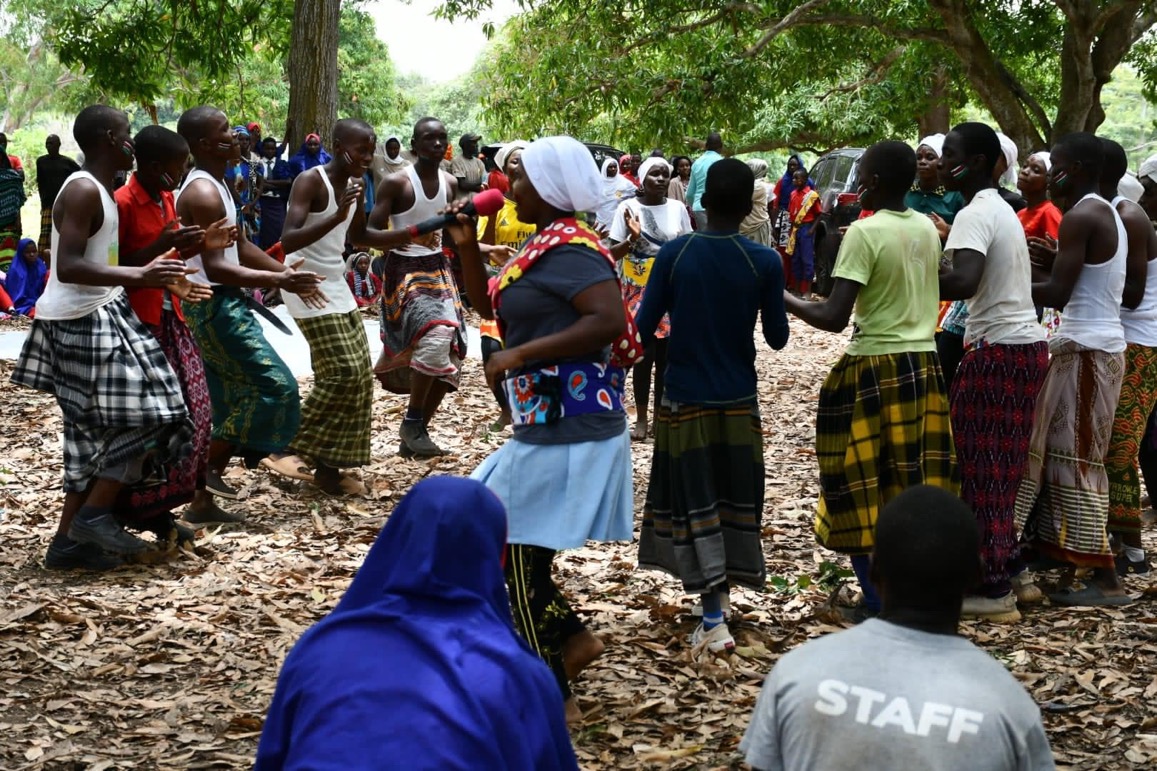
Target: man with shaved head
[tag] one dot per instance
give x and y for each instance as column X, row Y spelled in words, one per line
column 335, row 419
column 52, row 169
column 256, row 407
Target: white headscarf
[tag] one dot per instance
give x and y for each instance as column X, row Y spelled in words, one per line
column 1148, row 168
column 1130, row 188
column 505, row 151
column 935, row 142
column 563, row 172
column 1008, row 147
column 649, row 164
column 1045, row 157
column 758, row 167
column 396, row 163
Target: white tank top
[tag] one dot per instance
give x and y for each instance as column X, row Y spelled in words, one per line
column 230, row 220
column 62, row 301
column 1140, row 323
column 324, row 257
column 423, row 209
column 1092, row 317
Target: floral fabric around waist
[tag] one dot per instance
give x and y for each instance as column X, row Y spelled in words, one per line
column 548, row 395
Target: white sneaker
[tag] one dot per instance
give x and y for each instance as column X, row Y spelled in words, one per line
column 717, row 639
column 1001, row 610
column 1025, row 589
column 697, row 608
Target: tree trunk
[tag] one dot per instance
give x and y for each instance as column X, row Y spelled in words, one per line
column 313, row 70
column 936, row 118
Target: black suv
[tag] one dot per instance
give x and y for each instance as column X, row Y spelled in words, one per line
column 835, row 180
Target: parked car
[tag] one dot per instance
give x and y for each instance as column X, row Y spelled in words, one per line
column 835, row 181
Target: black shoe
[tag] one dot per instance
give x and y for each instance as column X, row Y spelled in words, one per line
column 1128, row 567
column 216, row 485
column 414, row 435
column 102, row 529
column 66, row 554
column 404, row 451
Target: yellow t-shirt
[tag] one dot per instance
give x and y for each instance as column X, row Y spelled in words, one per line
column 895, row 258
column 508, row 231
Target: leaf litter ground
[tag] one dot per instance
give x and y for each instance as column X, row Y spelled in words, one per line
column 172, row 665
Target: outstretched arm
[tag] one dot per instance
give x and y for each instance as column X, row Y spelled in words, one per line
column 830, row 315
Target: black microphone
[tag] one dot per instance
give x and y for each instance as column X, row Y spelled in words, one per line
column 485, row 204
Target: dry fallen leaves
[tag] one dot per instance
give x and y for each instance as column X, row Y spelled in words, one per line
column 173, row 665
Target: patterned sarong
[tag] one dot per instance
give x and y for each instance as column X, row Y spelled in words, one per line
column 704, row 505
column 186, row 477
column 1138, row 397
column 993, row 398
column 120, row 399
column 1063, row 501
column 419, row 294
column 336, row 415
column 254, row 395
column 45, row 241
column 882, row 426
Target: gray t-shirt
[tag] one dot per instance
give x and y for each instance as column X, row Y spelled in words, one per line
column 889, row 697
column 539, row 304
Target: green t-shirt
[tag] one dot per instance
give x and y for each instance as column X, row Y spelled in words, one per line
column 896, row 259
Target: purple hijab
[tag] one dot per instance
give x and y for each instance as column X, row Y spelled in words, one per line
column 25, row 283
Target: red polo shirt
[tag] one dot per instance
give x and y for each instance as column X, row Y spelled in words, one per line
column 141, row 222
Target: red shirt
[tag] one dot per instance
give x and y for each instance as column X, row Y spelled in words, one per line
column 798, row 196
column 1041, row 220
column 141, row 221
column 498, row 181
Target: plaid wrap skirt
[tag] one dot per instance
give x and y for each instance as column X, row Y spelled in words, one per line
column 882, row 427
column 120, row 399
column 336, row 414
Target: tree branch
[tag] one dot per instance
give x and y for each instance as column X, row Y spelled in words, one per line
column 787, row 22
column 877, row 73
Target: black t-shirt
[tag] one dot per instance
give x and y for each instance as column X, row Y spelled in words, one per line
column 539, row 304
column 50, row 175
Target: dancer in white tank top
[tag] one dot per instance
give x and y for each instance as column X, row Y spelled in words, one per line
column 1063, row 501
column 423, row 329
column 1139, row 387
column 124, row 413
column 336, row 416
column 256, row 406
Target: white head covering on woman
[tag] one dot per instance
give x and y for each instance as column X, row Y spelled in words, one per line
column 1129, row 187
column 564, row 173
column 758, row 167
column 1148, row 168
column 934, row 142
column 505, row 151
column 398, row 161
column 1045, row 157
column 646, row 166
column 1008, row 148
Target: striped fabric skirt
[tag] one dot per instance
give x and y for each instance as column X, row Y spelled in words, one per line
column 419, row 295
column 882, row 426
column 44, row 243
column 256, row 406
column 1135, row 406
column 704, row 505
column 336, row 414
column 1063, row 502
column 120, row 399
column 186, row 477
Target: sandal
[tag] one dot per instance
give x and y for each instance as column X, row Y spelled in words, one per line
column 347, row 485
column 1089, row 596
column 290, row 466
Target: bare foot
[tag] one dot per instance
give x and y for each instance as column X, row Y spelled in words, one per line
column 574, row 715
column 579, row 651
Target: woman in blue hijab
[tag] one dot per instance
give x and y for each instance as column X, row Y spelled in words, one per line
column 419, row 666
column 781, row 199
column 25, row 280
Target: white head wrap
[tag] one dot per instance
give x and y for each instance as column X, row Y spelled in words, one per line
column 563, row 172
column 606, row 165
column 933, row 141
column 1045, row 157
column 1008, row 147
column 649, row 164
column 758, row 167
column 1148, row 168
column 1130, row 188
column 505, row 151
column 399, row 159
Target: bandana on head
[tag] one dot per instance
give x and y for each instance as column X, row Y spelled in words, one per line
column 934, row 142
column 646, row 166
column 563, row 172
column 1008, row 148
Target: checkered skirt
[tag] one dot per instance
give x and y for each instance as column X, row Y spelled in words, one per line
column 882, row 427
column 119, row 397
